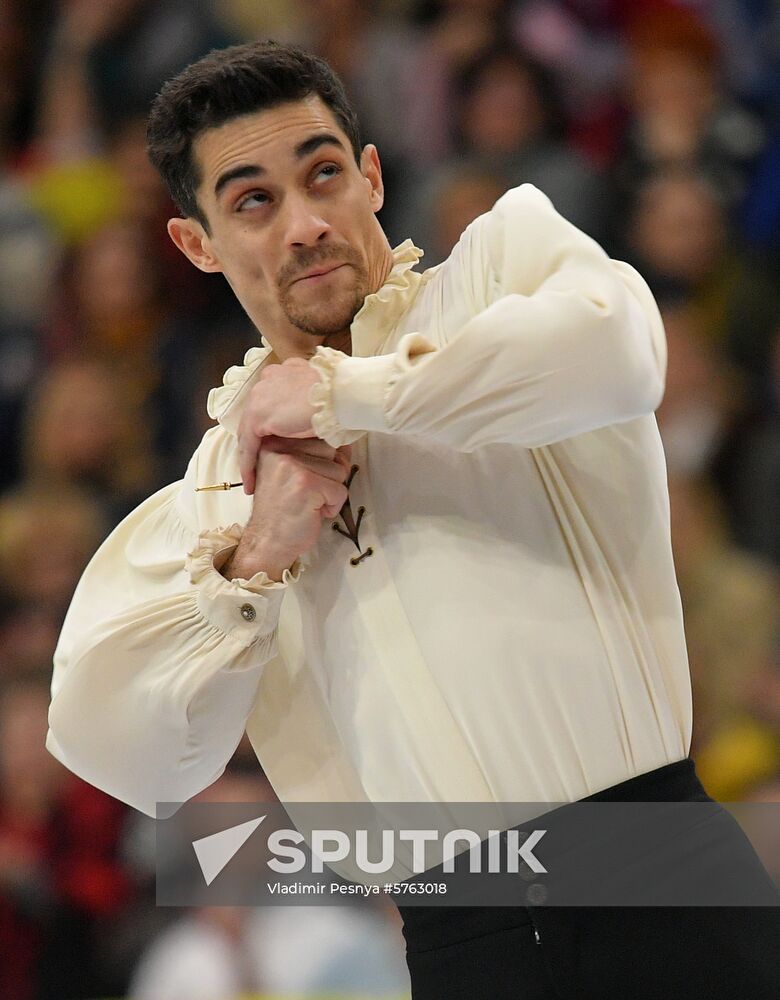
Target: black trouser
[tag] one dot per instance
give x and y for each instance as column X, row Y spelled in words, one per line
column 610, row 952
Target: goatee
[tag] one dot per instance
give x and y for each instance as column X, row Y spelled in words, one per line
column 333, row 313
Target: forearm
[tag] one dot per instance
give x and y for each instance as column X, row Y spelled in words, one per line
column 529, row 370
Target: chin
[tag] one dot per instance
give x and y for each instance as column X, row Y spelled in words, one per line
column 327, row 328
column 327, row 319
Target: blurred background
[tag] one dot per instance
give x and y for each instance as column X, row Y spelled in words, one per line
column 653, row 125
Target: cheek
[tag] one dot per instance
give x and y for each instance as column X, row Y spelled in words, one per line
column 250, row 272
column 356, row 225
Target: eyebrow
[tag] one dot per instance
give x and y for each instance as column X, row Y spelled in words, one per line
column 302, row 150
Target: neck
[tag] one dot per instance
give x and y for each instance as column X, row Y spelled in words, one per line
column 341, row 341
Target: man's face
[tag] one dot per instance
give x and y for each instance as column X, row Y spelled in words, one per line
column 292, row 219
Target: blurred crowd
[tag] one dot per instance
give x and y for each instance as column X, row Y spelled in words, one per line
column 653, row 125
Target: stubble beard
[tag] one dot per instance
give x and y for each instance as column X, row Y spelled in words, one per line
column 333, row 313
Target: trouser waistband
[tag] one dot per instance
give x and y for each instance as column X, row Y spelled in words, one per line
column 675, row 782
column 429, row 926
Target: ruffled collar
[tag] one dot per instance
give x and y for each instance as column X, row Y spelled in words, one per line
column 381, row 310
column 371, row 326
column 224, row 401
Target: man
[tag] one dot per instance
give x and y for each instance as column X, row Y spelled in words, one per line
column 448, row 576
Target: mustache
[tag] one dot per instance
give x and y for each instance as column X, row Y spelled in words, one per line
column 311, row 257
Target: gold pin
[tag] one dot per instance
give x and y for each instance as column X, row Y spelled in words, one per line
column 217, row 486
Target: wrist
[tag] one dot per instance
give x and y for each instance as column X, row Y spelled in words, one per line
column 254, row 554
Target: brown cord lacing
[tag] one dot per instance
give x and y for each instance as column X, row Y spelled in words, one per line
column 353, row 526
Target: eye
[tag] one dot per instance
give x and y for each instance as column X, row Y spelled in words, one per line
column 258, row 196
column 327, row 171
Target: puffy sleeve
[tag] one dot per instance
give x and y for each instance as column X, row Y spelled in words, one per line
column 159, row 659
column 571, row 341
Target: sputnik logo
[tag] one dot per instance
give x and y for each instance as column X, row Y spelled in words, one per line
column 214, row 852
column 330, row 846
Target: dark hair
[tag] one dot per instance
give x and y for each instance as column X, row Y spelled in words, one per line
column 541, row 79
column 224, row 85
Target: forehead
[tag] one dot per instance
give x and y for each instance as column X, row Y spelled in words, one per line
column 266, row 138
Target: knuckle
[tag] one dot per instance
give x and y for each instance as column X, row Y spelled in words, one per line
column 283, row 458
column 301, row 479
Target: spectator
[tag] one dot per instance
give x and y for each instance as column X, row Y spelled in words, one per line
column 508, row 123
column 84, row 429
column 510, row 116
column 116, row 308
column 757, row 478
column 581, row 43
column 457, row 197
column 28, row 252
column 193, row 359
column 46, row 540
column 679, row 112
column 703, row 395
column 108, row 58
column 731, row 605
column 453, row 33
column 303, row 951
column 678, row 235
column 28, row 638
column 60, row 883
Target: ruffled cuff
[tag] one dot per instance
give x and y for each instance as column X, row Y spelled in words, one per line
column 325, row 422
column 353, row 394
column 245, row 609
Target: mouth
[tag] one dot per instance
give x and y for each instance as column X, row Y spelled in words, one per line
column 319, row 273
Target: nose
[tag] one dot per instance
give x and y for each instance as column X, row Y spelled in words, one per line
column 305, row 227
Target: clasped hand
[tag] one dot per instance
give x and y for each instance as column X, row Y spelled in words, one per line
column 278, row 406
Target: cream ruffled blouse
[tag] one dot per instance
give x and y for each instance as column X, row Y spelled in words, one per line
column 515, row 631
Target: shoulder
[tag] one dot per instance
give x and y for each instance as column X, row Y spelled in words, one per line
column 475, row 270
column 522, row 213
column 525, row 240
column 527, row 214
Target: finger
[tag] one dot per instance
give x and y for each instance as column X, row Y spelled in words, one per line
column 345, row 458
column 248, row 453
column 337, row 471
column 249, row 481
column 293, row 446
column 328, row 493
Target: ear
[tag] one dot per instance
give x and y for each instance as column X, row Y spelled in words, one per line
column 371, row 169
column 194, row 242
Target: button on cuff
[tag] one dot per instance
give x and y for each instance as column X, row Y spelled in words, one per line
column 243, row 609
column 232, row 614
